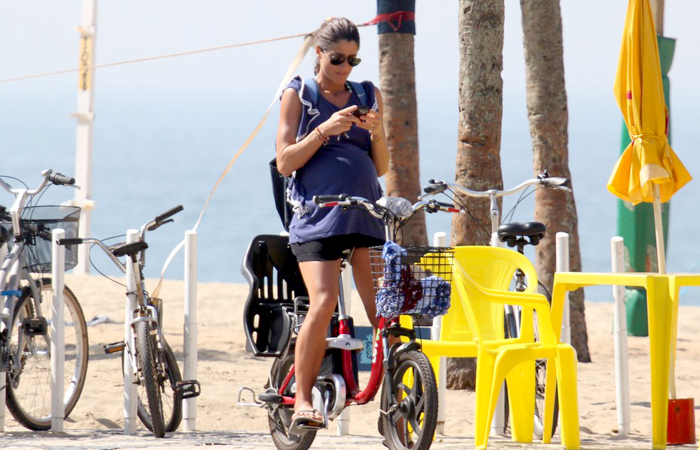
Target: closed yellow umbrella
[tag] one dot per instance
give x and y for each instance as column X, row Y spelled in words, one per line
column 648, row 170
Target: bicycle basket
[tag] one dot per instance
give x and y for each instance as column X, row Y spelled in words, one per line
column 412, row 281
column 37, row 223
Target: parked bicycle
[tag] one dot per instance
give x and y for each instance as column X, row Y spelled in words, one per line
column 518, row 235
column 25, row 339
column 154, row 367
column 275, row 311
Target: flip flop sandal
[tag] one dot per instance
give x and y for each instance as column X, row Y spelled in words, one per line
column 302, row 424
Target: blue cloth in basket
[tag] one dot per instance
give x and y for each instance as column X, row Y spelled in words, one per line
column 401, row 292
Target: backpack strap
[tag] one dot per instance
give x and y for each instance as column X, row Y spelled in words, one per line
column 311, row 86
column 359, row 89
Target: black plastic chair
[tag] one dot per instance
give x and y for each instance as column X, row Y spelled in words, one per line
column 275, row 281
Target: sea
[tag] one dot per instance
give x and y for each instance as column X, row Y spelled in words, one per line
column 153, row 153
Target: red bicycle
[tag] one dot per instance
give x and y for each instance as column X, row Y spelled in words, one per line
column 417, row 283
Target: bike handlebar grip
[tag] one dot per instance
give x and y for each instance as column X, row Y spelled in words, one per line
column 168, row 213
column 434, row 188
column 69, row 241
column 557, row 182
column 318, row 199
column 60, row 179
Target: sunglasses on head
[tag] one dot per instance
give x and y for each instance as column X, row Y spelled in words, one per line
column 337, row 59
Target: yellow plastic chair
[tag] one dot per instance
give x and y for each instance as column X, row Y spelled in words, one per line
column 479, row 288
column 457, row 340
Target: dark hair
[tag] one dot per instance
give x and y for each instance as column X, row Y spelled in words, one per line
column 333, row 30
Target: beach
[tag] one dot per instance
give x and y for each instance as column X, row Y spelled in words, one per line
column 225, row 366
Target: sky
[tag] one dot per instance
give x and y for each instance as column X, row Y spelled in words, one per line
column 226, row 92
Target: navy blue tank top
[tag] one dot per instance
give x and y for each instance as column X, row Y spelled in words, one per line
column 343, row 166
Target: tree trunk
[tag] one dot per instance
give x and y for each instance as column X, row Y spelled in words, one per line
column 398, row 84
column 548, row 117
column 478, row 163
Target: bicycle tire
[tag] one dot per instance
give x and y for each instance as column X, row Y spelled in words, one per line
column 280, row 418
column 409, row 414
column 29, row 391
column 148, row 375
column 168, row 378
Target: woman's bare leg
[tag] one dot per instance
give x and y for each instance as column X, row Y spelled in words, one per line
column 321, row 279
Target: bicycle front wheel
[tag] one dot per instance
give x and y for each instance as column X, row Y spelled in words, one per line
column 168, row 377
column 540, row 380
column 29, row 381
column 409, row 409
column 148, row 374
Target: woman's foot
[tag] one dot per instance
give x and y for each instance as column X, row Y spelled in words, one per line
column 304, row 420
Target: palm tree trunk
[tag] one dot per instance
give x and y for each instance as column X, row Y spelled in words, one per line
column 398, row 84
column 548, row 117
column 478, row 163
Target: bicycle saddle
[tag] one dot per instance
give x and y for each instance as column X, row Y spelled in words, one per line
column 128, row 249
column 515, row 233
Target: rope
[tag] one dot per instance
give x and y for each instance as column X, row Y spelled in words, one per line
column 308, row 43
column 151, row 58
column 398, row 16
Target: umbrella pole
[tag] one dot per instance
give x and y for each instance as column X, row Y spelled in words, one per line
column 659, row 229
column 661, row 260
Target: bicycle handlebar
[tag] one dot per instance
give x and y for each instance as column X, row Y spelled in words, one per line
column 162, row 219
column 544, row 180
column 60, row 179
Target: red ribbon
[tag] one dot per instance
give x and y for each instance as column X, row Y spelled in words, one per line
column 394, row 19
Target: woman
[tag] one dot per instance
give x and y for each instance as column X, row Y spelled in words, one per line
column 330, row 151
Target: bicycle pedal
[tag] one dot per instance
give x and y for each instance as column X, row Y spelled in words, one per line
column 115, row 347
column 34, row 326
column 271, row 396
column 188, row 388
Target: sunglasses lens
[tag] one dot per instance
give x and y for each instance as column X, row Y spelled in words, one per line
column 354, row 61
column 337, row 60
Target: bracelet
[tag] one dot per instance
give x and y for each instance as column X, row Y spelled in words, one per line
column 321, row 136
column 377, row 141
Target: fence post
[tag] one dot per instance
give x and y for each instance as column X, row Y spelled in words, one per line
column 58, row 258
column 622, row 387
column 190, row 330
column 440, row 240
column 562, row 265
column 130, row 394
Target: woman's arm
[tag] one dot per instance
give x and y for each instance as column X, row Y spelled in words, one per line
column 374, row 122
column 291, row 154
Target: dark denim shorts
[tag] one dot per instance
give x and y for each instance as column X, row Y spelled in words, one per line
column 332, row 248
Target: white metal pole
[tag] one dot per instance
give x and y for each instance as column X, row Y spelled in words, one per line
column 343, row 424
column 130, row 394
column 84, row 130
column 190, row 332
column 562, row 265
column 58, row 258
column 622, row 383
column 440, row 240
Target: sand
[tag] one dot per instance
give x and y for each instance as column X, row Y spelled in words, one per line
column 225, row 366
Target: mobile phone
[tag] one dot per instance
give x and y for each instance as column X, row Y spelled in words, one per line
column 360, row 111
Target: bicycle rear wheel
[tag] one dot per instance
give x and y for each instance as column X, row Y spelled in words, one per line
column 280, row 418
column 168, row 377
column 409, row 410
column 148, row 374
column 29, row 386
